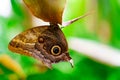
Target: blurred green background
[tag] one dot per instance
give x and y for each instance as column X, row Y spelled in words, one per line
column 102, row 26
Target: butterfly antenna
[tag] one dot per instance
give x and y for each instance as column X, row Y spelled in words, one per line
column 75, row 19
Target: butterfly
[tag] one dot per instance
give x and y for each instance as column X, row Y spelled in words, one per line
column 46, row 43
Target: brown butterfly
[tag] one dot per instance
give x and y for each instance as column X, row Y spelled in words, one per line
column 46, row 43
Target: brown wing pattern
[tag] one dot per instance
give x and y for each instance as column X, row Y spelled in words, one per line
column 47, row 10
column 26, row 40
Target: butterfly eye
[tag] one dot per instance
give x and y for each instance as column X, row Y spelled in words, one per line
column 56, row 50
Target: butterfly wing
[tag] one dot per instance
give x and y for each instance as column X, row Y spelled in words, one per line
column 40, row 43
column 47, row 10
column 24, row 42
